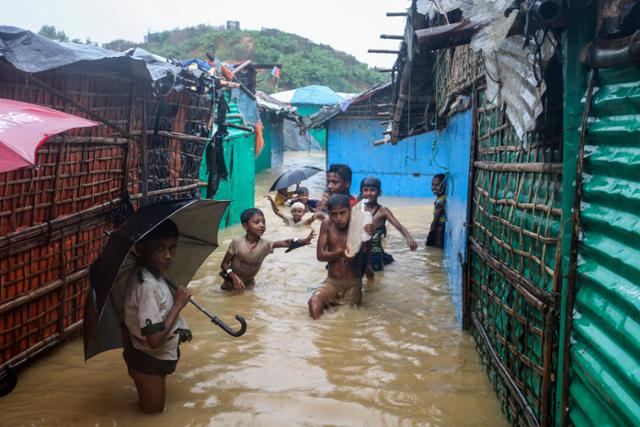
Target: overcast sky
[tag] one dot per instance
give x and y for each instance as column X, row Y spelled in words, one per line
column 352, row 26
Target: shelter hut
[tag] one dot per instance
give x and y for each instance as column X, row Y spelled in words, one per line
column 309, row 100
column 54, row 218
column 273, row 114
column 547, row 272
column 354, row 124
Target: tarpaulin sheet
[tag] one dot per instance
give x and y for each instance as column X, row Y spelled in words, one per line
column 32, row 53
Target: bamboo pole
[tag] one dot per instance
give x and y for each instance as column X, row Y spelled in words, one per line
column 540, row 167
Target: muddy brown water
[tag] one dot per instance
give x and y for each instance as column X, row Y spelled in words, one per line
column 400, row 359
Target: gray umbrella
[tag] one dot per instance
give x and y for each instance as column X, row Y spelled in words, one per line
column 197, row 221
column 294, row 176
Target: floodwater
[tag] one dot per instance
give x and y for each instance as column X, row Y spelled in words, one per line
column 400, row 359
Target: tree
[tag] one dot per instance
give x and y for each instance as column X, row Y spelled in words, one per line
column 50, row 32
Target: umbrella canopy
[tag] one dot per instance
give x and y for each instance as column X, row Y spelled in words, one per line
column 294, row 176
column 25, row 127
column 197, row 221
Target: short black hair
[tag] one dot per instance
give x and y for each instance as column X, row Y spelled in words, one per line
column 247, row 214
column 302, row 190
column 166, row 229
column 338, row 201
column 370, row 181
column 343, row 171
column 441, row 177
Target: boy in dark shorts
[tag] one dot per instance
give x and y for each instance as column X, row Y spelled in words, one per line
column 370, row 190
column 343, row 285
column 244, row 257
column 153, row 326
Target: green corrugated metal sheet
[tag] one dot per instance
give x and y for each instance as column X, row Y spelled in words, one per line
column 240, row 184
column 605, row 351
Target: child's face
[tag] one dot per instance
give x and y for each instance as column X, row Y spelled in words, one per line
column 304, row 197
column 158, row 254
column 297, row 214
column 340, row 217
column 336, row 185
column 256, row 226
column 370, row 193
column 435, row 186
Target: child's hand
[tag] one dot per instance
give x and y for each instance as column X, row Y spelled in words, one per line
column 182, row 296
column 238, row 284
column 412, row 244
column 307, row 240
column 318, row 215
column 369, row 229
column 269, row 198
column 346, row 252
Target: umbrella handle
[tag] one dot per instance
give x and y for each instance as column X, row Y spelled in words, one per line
column 224, row 326
column 227, row 328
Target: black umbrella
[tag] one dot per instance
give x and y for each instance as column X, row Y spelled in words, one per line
column 294, row 176
column 197, row 221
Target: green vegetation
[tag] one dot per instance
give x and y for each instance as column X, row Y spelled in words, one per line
column 303, row 62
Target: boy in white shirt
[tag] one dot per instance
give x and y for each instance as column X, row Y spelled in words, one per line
column 154, row 328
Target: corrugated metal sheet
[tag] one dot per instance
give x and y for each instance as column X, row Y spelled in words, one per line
column 511, row 79
column 605, row 351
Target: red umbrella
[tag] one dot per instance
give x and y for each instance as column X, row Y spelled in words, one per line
column 25, row 127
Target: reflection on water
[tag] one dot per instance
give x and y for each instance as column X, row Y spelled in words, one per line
column 400, row 359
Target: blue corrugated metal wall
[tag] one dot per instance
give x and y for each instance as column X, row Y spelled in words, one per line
column 405, row 169
column 458, row 136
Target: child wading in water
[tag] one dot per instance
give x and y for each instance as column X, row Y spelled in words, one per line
column 153, row 328
column 343, row 284
column 436, row 231
column 244, row 257
column 370, row 190
column 295, row 217
column 302, row 196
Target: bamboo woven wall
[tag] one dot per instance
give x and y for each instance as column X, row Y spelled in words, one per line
column 54, row 218
column 513, row 269
column 456, row 71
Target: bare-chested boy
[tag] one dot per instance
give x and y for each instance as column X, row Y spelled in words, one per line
column 343, row 285
column 370, row 189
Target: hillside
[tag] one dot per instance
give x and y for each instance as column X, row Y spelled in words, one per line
column 303, row 62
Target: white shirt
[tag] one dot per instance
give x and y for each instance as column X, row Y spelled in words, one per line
column 147, row 302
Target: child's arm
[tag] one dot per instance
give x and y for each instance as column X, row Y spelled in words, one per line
column 392, row 219
column 236, row 281
column 286, row 243
column 324, row 255
column 274, row 207
column 180, row 301
column 313, row 217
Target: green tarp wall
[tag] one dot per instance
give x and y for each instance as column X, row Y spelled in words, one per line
column 239, row 186
column 319, row 134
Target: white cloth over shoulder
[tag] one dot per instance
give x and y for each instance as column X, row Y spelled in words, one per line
column 356, row 234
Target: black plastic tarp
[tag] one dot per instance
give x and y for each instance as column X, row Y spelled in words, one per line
column 32, row 53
